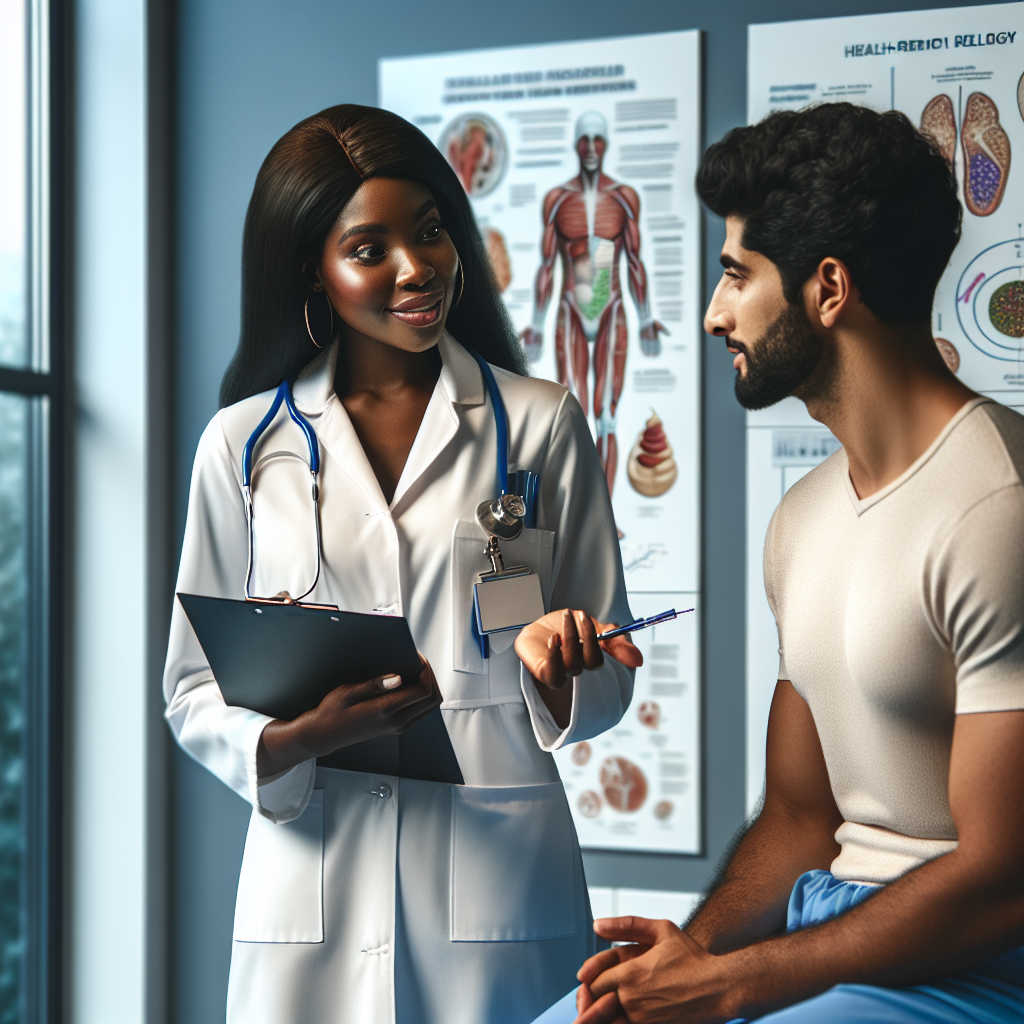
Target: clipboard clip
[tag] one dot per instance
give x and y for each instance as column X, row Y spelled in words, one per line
column 283, row 597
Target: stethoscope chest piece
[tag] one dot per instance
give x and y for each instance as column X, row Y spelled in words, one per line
column 502, row 517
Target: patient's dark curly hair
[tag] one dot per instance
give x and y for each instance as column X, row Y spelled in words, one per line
column 843, row 181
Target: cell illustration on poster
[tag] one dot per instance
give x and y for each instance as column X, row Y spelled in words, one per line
column 990, row 301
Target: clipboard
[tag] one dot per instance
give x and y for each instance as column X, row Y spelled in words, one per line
column 283, row 659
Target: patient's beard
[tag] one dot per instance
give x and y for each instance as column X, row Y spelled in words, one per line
column 782, row 359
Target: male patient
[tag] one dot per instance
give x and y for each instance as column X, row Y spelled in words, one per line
column 893, row 814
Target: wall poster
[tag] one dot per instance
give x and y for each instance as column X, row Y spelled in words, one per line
column 579, row 161
column 958, row 74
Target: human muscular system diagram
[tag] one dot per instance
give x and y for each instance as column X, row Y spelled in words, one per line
column 589, row 222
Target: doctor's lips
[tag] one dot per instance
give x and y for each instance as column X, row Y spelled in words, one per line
column 419, row 310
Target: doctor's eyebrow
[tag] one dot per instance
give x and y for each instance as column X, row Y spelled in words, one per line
column 361, row 229
column 380, row 229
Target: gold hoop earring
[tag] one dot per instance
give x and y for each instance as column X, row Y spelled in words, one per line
column 309, row 328
column 462, row 285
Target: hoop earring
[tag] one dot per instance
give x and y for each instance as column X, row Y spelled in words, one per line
column 309, row 328
column 462, row 285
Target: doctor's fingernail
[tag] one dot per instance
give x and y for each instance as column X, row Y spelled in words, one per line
column 390, row 682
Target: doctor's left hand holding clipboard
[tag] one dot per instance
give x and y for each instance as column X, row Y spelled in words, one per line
column 278, row 659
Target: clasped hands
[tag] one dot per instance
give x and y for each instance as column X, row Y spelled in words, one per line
column 662, row 976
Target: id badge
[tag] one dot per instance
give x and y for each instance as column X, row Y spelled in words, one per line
column 509, row 602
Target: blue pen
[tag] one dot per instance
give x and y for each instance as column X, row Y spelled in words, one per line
column 638, row 624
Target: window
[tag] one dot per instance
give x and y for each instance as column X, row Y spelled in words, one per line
column 29, row 422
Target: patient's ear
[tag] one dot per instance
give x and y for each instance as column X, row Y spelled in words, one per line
column 828, row 292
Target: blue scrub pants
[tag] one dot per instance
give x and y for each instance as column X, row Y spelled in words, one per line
column 991, row 993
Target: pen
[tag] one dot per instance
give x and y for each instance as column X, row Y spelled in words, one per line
column 638, row 624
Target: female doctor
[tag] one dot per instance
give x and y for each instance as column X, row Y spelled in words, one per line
column 364, row 897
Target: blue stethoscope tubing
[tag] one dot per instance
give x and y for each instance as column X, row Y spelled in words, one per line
column 500, row 421
column 526, row 480
column 284, row 394
column 525, row 483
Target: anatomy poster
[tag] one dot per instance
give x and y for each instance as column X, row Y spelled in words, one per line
column 579, row 159
column 958, row 74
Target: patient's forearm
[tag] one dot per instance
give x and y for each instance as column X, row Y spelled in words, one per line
column 750, row 903
column 946, row 916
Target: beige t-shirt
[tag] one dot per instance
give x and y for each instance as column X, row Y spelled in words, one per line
column 897, row 613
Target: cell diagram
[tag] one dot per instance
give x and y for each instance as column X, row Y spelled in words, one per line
column 990, row 301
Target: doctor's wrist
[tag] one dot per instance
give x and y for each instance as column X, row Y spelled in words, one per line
column 280, row 749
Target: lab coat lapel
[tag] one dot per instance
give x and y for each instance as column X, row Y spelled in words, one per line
column 315, row 398
column 460, row 383
column 342, row 443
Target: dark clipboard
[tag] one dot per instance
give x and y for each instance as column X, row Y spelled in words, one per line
column 282, row 660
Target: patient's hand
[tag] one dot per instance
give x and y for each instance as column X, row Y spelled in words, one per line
column 561, row 644
column 663, row 976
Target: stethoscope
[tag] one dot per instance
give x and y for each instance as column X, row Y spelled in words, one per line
column 526, row 483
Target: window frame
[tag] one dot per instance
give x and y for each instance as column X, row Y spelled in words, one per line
column 44, row 383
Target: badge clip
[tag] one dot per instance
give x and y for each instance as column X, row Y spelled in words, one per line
column 506, row 597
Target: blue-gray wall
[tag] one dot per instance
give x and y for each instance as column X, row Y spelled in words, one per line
column 247, row 71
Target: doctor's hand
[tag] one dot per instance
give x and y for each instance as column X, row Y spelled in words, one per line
column 562, row 644
column 662, row 976
column 383, row 706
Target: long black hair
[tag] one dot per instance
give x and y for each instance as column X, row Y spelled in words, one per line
column 301, row 189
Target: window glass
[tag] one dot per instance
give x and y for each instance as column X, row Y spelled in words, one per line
column 14, row 343
column 15, row 426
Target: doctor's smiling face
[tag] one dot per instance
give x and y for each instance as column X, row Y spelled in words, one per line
column 389, row 267
column 775, row 347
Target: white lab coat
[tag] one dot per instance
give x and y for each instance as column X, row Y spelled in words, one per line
column 431, row 903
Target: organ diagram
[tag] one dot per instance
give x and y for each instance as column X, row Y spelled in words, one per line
column 986, row 156
column 986, row 148
column 476, row 148
column 651, row 468
column 624, row 784
column 938, row 122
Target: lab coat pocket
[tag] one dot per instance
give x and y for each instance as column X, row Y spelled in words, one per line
column 513, row 864
column 280, row 889
column 534, row 548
